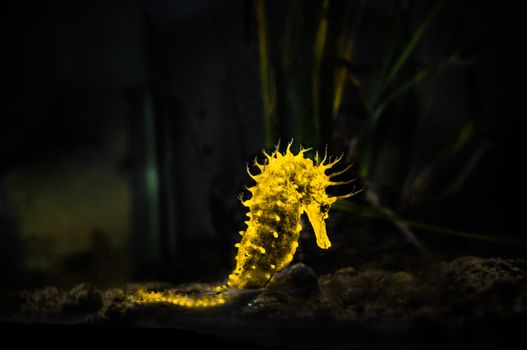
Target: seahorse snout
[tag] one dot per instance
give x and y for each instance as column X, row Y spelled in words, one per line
column 316, row 218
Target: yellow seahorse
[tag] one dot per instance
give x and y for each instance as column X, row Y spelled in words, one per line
column 287, row 186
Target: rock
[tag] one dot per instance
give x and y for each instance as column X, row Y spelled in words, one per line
column 458, row 292
column 351, row 295
column 475, row 288
column 297, row 279
column 473, row 275
column 465, row 288
column 42, row 304
column 81, row 301
column 291, row 293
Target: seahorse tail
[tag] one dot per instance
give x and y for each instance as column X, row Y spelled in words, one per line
column 183, row 299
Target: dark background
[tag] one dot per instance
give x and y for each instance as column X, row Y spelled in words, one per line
column 126, row 126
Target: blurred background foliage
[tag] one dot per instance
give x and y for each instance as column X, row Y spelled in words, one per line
column 365, row 77
column 127, row 126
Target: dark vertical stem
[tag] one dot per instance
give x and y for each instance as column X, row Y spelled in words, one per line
column 318, row 52
column 238, row 119
column 265, row 75
column 145, row 250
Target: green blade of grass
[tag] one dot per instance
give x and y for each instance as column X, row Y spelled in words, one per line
column 298, row 78
column 385, row 79
column 318, row 54
column 390, row 70
column 320, row 38
column 379, row 81
column 407, row 86
column 237, row 115
column 160, row 49
column 413, row 43
column 465, row 173
column 345, row 44
column 265, row 75
column 414, row 193
column 370, row 213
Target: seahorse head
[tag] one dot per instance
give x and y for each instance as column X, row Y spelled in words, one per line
column 305, row 181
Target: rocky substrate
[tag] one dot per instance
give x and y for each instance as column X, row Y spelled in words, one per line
column 467, row 299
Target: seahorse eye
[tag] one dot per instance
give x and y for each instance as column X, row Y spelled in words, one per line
column 324, row 208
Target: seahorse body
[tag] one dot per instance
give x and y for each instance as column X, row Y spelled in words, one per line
column 287, row 186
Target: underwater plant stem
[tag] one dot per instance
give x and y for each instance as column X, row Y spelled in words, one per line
column 372, row 213
column 341, row 77
column 319, row 47
column 346, row 46
column 267, row 96
column 161, row 52
column 393, row 63
column 373, row 198
column 238, row 119
column 297, row 73
column 467, row 170
column 151, row 176
column 416, row 190
column 413, row 43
